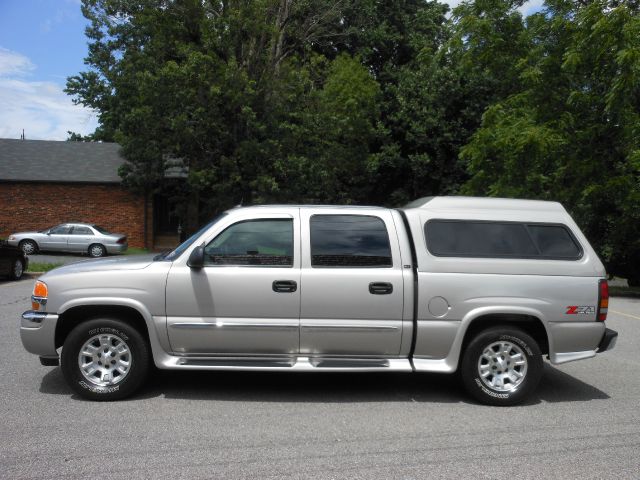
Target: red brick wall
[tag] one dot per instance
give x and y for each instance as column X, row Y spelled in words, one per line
column 36, row 206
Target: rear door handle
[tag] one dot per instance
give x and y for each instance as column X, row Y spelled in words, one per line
column 284, row 286
column 380, row 288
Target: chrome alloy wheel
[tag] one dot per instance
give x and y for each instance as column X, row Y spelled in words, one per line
column 105, row 360
column 502, row 366
column 96, row 251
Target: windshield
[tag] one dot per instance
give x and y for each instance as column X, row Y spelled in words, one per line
column 172, row 255
column 101, row 230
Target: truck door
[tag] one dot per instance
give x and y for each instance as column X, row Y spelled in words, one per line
column 352, row 283
column 246, row 299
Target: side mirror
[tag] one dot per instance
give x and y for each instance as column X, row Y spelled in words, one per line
column 196, row 259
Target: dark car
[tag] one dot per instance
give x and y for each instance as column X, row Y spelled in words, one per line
column 13, row 261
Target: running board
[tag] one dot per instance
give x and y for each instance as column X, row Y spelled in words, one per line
column 295, row 364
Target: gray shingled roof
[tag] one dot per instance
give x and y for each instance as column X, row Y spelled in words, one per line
column 49, row 161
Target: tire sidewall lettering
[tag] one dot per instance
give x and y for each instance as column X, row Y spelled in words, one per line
column 491, row 393
column 519, row 341
column 99, row 390
column 97, row 331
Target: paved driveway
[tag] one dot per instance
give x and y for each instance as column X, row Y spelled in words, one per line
column 583, row 423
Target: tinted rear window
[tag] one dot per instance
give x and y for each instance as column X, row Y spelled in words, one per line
column 554, row 241
column 349, row 241
column 500, row 240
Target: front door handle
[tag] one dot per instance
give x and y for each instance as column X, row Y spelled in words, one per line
column 284, row 286
column 380, row 288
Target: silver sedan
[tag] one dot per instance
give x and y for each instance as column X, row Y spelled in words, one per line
column 71, row 237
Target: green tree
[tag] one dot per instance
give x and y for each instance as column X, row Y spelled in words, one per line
column 571, row 132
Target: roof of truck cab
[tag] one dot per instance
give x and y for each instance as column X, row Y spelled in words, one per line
column 483, row 203
column 350, row 207
column 453, row 203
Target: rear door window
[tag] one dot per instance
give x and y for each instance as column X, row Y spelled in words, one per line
column 81, row 231
column 343, row 241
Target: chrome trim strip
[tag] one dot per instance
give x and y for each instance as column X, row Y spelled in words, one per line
column 35, row 317
column 359, row 328
column 207, row 325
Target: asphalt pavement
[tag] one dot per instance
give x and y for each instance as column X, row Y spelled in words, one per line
column 584, row 421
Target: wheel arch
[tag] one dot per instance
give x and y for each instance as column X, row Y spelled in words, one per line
column 529, row 319
column 530, row 324
column 74, row 316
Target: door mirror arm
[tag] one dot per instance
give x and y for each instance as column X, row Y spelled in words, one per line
column 196, row 258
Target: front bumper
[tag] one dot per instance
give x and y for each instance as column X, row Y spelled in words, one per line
column 608, row 341
column 37, row 332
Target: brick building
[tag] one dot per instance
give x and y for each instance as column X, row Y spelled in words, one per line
column 43, row 183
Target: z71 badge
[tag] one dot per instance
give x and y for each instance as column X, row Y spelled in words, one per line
column 581, row 310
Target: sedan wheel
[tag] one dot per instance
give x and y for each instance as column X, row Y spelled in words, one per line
column 28, row 246
column 97, row 250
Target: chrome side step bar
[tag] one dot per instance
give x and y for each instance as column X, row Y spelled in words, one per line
column 290, row 364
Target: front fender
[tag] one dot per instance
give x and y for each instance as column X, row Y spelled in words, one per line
column 156, row 325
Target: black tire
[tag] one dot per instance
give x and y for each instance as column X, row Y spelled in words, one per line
column 475, row 358
column 109, row 331
column 28, row 246
column 96, row 250
column 17, row 269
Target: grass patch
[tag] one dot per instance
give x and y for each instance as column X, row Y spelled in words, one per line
column 42, row 267
column 136, row 251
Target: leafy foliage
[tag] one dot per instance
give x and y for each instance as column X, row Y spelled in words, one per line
column 571, row 131
column 363, row 101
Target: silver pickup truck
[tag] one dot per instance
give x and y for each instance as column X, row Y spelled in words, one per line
column 485, row 287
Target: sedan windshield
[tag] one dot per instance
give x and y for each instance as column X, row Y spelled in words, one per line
column 187, row 243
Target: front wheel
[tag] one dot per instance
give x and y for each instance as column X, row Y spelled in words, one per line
column 29, row 247
column 17, row 270
column 501, row 366
column 105, row 359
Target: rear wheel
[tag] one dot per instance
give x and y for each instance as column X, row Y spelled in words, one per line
column 501, row 366
column 29, row 246
column 96, row 250
column 105, row 359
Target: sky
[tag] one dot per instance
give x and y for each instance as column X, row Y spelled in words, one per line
column 42, row 43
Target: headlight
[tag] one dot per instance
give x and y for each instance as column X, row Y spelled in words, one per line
column 12, row 237
column 40, row 295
